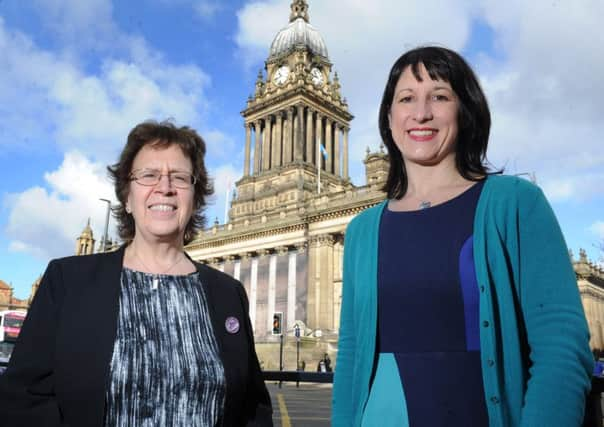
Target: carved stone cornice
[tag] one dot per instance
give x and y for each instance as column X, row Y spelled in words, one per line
column 246, row 256
column 322, row 240
column 263, row 252
column 282, row 250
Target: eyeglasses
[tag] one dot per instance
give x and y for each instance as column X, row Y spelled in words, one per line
column 151, row 177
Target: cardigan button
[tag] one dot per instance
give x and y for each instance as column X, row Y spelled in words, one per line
column 495, row 399
column 490, row 362
column 482, row 288
column 485, row 323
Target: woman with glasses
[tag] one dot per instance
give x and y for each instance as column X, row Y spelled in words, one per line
column 143, row 336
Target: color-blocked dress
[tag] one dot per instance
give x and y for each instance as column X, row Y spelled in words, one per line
column 165, row 369
column 428, row 370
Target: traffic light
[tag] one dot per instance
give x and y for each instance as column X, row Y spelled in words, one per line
column 277, row 323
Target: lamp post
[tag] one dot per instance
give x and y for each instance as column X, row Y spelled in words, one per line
column 105, row 237
column 297, row 334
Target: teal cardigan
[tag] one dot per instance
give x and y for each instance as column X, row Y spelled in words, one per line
column 536, row 361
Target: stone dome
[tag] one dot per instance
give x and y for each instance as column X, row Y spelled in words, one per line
column 298, row 33
column 4, row 285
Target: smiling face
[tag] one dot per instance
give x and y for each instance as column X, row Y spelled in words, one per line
column 423, row 119
column 161, row 212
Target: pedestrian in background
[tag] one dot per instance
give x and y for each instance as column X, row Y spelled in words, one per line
column 143, row 335
column 460, row 305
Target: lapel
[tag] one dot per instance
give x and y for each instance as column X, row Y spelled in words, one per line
column 216, row 303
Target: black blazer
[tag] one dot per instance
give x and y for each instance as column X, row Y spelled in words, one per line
column 59, row 369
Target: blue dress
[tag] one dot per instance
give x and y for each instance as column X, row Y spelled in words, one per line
column 428, row 370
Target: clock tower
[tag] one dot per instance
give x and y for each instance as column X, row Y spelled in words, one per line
column 295, row 123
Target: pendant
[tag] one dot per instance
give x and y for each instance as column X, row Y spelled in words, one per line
column 425, row 205
column 155, row 283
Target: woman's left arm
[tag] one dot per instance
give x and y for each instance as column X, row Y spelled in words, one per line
column 557, row 332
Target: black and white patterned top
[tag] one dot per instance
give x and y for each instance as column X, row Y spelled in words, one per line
column 165, row 369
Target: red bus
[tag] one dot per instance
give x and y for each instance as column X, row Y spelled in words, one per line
column 10, row 324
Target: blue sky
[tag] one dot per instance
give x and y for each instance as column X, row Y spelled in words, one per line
column 76, row 75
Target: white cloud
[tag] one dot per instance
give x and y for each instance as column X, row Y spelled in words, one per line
column 224, row 178
column 80, row 26
column 45, row 222
column 597, row 228
column 91, row 112
column 546, row 95
column 221, row 147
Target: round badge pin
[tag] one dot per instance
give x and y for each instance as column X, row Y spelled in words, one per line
column 232, row 325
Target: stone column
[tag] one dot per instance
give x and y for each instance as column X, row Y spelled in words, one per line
column 287, row 136
column 253, row 290
column 257, row 146
column 266, row 144
column 246, row 164
column 320, row 314
column 237, row 269
column 277, row 143
column 299, row 142
column 345, row 159
column 336, row 150
column 309, row 144
column 291, row 290
column 319, row 140
column 328, row 142
column 272, row 278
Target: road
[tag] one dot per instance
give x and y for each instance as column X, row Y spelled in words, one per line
column 306, row 406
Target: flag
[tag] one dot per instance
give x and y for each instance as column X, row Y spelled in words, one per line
column 323, row 151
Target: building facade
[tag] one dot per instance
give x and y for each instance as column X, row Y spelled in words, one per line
column 590, row 279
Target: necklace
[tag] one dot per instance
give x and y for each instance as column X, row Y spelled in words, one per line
column 155, row 282
column 424, row 204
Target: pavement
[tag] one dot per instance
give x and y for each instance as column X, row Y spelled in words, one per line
column 308, row 405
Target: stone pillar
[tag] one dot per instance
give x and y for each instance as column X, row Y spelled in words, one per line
column 291, row 290
column 336, row 150
column 299, row 142
column 328, row 143
column 272, row 278
column 266, row 144
column 287, row 136
column 237, row 269
column 319, row 140
column 309, row 144
column 345, row 159
column 320, row 314
column 253, row 290
column 277, row 143
column 257, row 146
column 246, row 161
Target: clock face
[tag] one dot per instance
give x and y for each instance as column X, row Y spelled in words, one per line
column 280, row 76
column 317, row 76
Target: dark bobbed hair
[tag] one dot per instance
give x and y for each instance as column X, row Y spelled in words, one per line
column 474, row 117
column 161, row 135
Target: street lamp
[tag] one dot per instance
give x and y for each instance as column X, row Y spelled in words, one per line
column 297, row 334
column 105, row 237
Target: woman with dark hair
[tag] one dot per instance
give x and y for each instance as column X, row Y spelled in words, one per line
column 460, row 306
column 143, row 336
